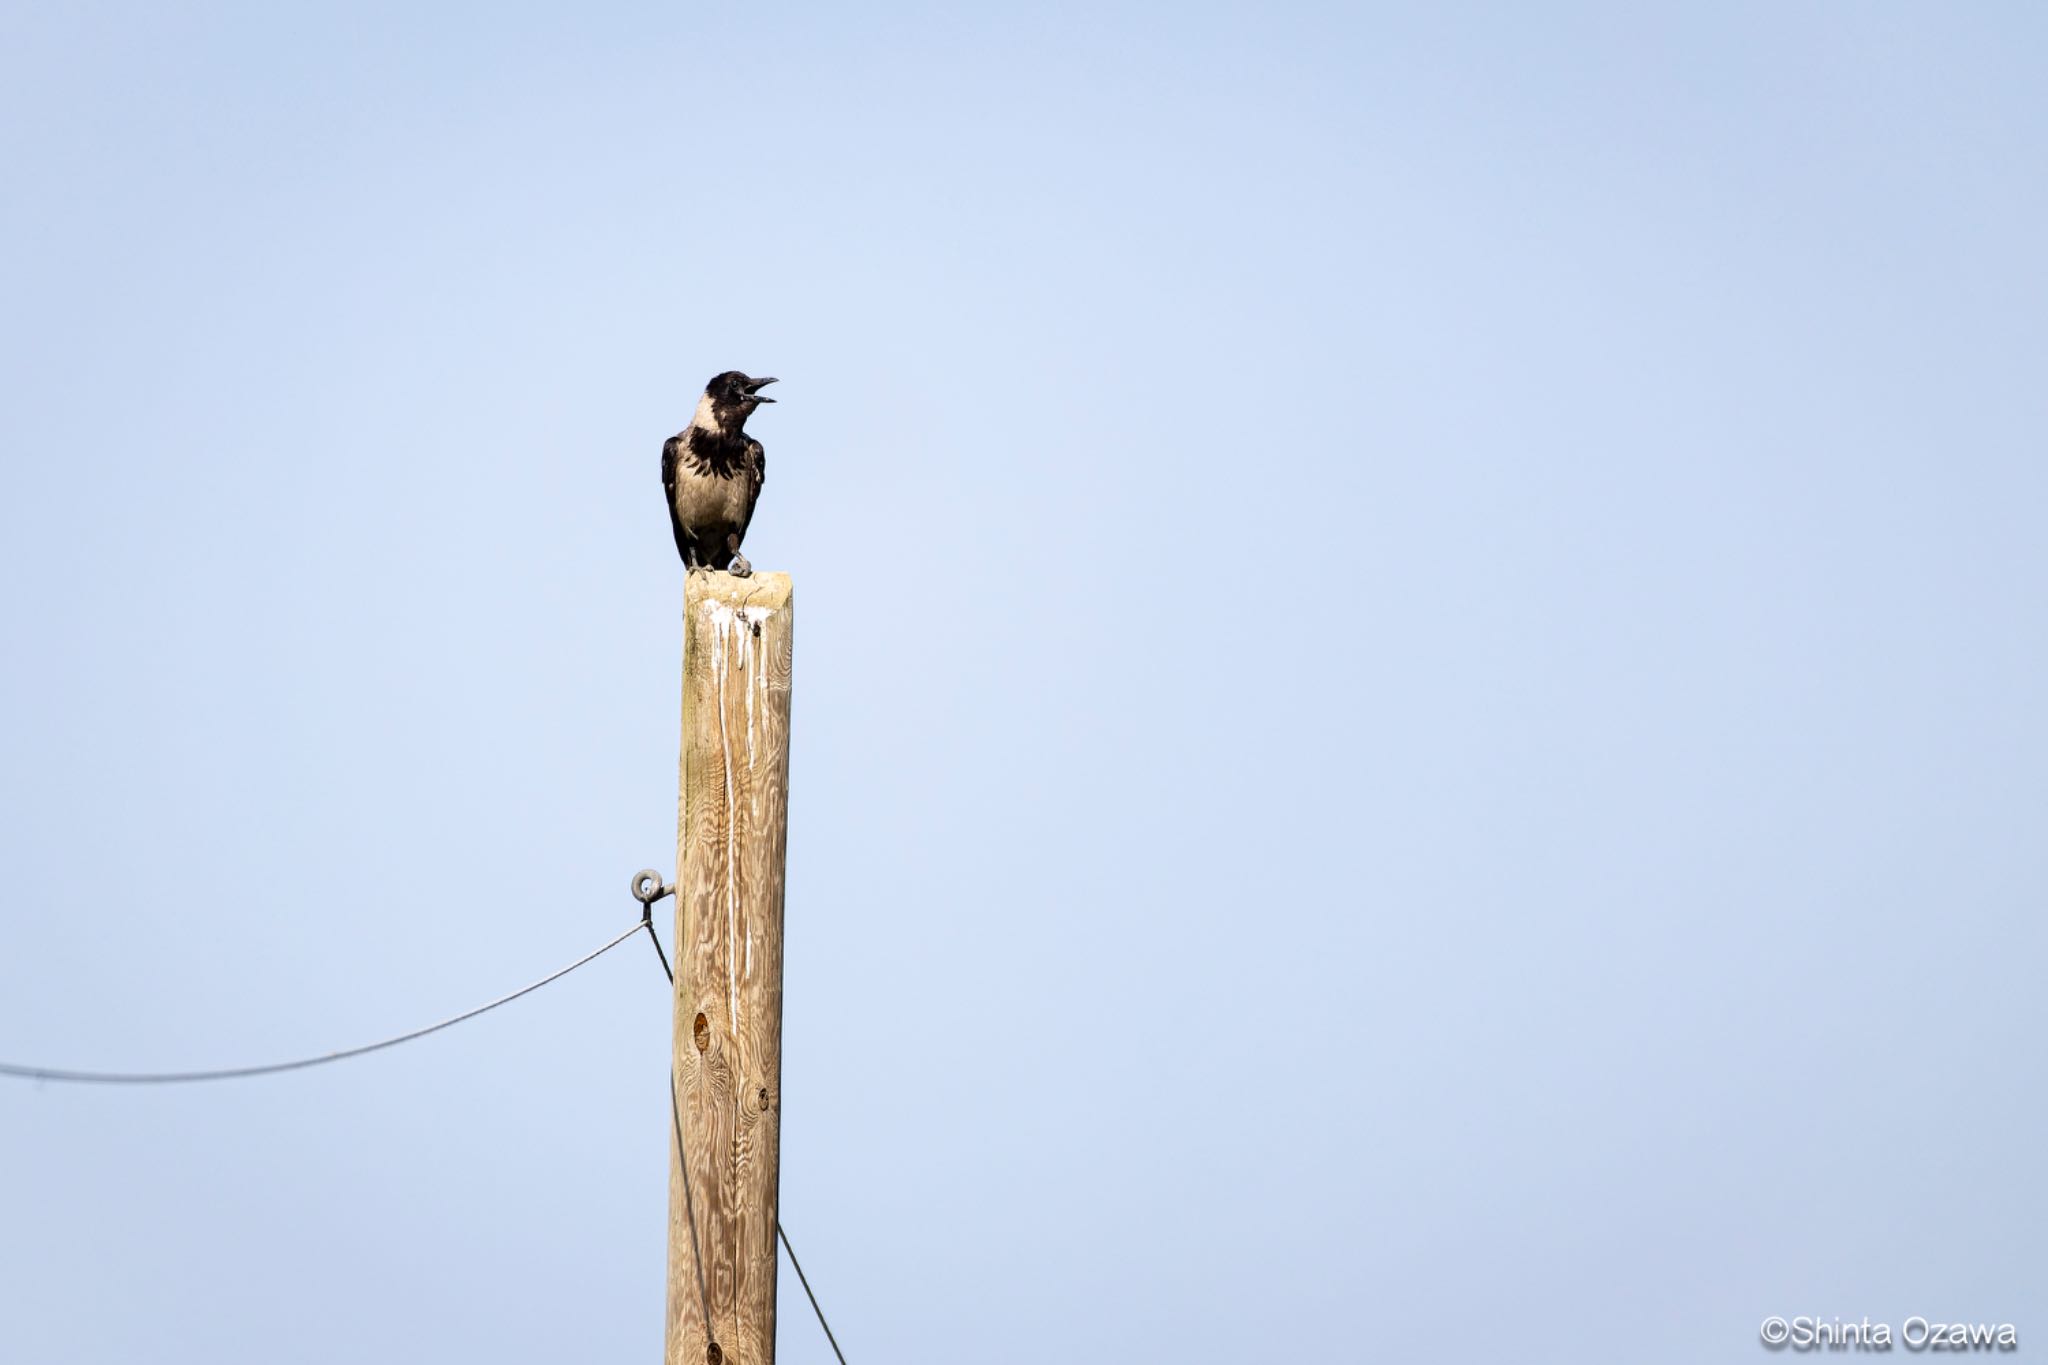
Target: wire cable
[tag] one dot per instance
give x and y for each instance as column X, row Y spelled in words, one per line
column 802, row 1278
column 647, row 889
column 690, row 1210
column 805, row 1281
column 50, row 1073
column 648, row 925
column 47, row 1073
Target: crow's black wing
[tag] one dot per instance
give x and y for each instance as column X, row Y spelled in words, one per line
column 756, row 475
column 671, row 456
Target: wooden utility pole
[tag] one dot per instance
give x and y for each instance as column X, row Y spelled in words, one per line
column 730, row 836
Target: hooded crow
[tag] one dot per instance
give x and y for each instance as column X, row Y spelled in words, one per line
column 712, row 471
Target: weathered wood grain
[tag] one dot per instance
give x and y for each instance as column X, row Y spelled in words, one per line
column 730, row 837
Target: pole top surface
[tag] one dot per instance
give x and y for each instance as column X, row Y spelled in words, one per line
column 761, row 591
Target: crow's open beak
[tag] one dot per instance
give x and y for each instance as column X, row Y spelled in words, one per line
column 754, row 390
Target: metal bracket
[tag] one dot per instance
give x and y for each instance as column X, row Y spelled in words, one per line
column 648, row 887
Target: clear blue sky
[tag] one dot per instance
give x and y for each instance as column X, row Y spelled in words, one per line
column 1421, row 636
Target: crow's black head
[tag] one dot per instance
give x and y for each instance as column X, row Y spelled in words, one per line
column 734, row 397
